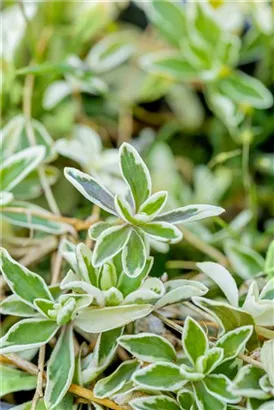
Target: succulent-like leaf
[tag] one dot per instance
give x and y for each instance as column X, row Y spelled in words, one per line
column 136, row 174
column 194, row 340
column 190, row 213
column 91, row 189
column 24, row 283
column 101, row 320
column 160, row 376
column 110, row 243
column 148, row 347
column 109, row 385
column 27, row 334
column 60, row 368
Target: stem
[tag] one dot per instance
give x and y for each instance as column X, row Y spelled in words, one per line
column 204, row 247
column 181, row 265
column 249, row 360
column 198, row 310
column 168, row 322
column 39, row 387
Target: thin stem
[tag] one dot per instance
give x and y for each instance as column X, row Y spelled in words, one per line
column 39, row 387
column 198, row 310
column 168, row 322
column 204, row 247
column 250, row 360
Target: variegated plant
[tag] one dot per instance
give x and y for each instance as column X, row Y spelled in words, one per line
column 139, row 214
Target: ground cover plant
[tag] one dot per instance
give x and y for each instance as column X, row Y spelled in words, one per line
column 137, row 170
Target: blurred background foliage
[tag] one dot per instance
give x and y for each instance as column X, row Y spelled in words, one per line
column 189, row 84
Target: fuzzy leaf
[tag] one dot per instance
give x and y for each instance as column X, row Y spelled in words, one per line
column 109, row 385
column 154, row 402
column 134, row 255
column 160, row 376
column 13, row 380
column 190, row 213
column 234, row 341
column 24, row 283
column 91, row 189
column 223, row 279
column 27, row 334
column 110, row 243
column 148, row 347
column 101, row 320
column 194, row 340
column 15, row 168
column 136, row 174
column 60, row 368
column 163, row 231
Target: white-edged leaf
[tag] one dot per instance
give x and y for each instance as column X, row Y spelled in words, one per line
column 109, row 385
column 134, row 255
column 234, row 341
column 260, row 309
column 27, row 285
column 194, row 340
column 185, row 398
column 5, row 198
column 13, row 380
column 97, row 229
column 91, row 189
column 123, row 209
column 13, row 305
column 246, row 383
column 151, row 290
column 162, row 231
column 60, row 368
column 207, row 363
column 223, row 279
column 154, row 204
column 135, row 173
column 267, row 359
column 204, row 400
column 84, row 262
column 128, row 285
column 27, row 334
column 101, row 320
column 219, row 386
column 109, row 243
column 160, row 376
column 269, row 261
column 148, row 347
column 55, row 93
column 190, row 213
column 154, row 402
column 15, row 168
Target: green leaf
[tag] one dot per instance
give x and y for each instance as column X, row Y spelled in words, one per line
column 269, row 261
column 246, row 262
column 260, row 309
column 154, row 204
column 228, row 317
column 109, row 385
column 244, row 89
column 84, row 262
column 127, row 285
column 169, row 18
column 93, row 320
column 190, row 213
column 234, row 341
column 163, row 232
column 24, row 283
column 204, row 400
column 223, row 279
column 219, row 386
column 134, row 255
column 246, row 383
column 91, row 189
column 169, row 65
column 160, row 376
column 178, row 290
column 97, row 229
column 154, row 402
column 33, row 217
column 110, row 243
column 151, row 290
column 15, row 168
column 136, row 174
column 5, row 198
column 43, row 306
column 27, row 334
column 207, row 363
column 267, row 359
column 13, row 380
column 103, row 354
column 124, row 210
column 194, row 340
column 148, row 347
column 13, row 305
column 60, row 368
column 186, row 399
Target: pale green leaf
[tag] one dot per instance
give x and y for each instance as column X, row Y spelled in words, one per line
column 13, row 380
column 219, row 386
column 148, row 347
column 60, row 368
column 269, row 261
column 24, row 283
column 186, row 399
column 127, row 285
column 162, row 231
column 246, row 383
column 84, row 262
column 134, row 255
column 190, row 213
column 160, row 376
column 136, row 174
column 267, row 359
column 234, row 341
column 101, row 320
column 205, row 400
column 13, row 305
column 154, row 402
column 97, row 229
column 194, row 340
column 154, row 204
